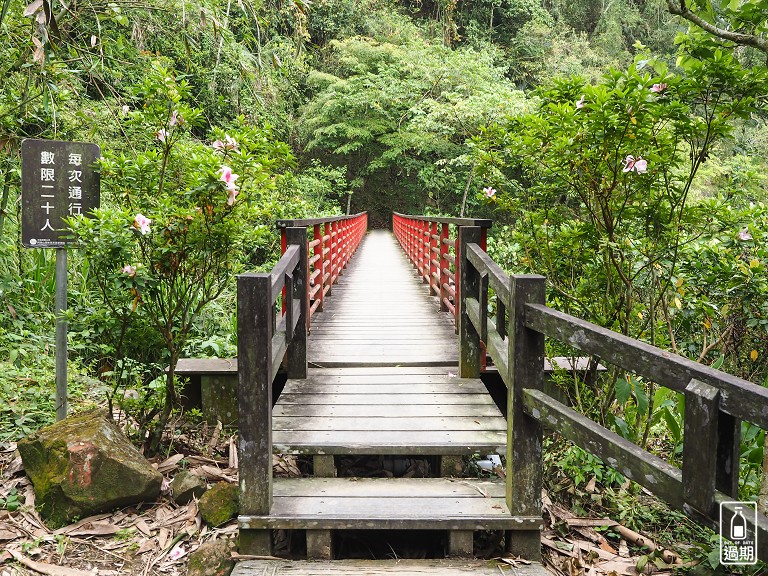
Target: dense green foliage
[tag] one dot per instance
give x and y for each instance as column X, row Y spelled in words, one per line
column 619, row 153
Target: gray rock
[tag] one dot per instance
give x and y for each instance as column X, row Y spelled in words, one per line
column 212, row 559
column 186, row 486
column 84, row 465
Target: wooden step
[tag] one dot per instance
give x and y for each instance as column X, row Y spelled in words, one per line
column 385, row 567
column 388, row 504
column 392, row 411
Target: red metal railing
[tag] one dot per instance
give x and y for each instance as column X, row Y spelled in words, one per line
column 431, row 244
column 330, row 245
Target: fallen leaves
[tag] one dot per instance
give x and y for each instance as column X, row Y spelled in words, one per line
column 156, row 540
column 47, row 569
column 573, row 548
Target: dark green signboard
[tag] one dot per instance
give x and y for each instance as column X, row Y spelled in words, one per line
column 58, row 180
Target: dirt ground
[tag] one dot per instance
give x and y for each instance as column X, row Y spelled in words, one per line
column 157, row 538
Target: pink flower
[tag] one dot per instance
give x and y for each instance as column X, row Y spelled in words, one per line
column 177, row 552
column 744, row 235
column 637, row 164
column 162, row 134
column 141, row 223
column 489, row 192
column 580, row 103
column 233, row 192
column 229, row 143
column 176, row 118
column 128, row 269
column 228, row 177
column 658, row 88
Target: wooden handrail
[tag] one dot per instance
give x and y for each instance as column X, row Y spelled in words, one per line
column 742, row 399
column 333, row 241
column 302, row 222
column 265, row 338
column 715, row 401
column 481, row 222
column 430, row 242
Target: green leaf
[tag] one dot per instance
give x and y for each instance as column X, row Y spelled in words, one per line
column 641, row 563
column 623, row 390
column 713, row 558
column 641, row 397
column 672, row 425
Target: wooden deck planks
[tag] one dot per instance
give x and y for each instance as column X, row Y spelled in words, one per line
column 380, row 313
column 384, row 503
column 390, row 410
column 392, row 442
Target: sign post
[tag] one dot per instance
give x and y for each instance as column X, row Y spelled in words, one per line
column 58, row 180
column 61, row 399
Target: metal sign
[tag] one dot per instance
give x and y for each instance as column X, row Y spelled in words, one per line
column 58, row 179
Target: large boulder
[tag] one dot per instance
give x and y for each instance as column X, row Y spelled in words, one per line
column 85, row 465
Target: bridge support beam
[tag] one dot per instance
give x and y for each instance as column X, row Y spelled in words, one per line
column 319, row 545
column 461, row 543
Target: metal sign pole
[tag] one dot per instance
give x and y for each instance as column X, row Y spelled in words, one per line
column 61, row 333
column 58, row 180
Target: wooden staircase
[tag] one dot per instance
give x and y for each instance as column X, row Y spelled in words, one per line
column 383, row 373
column 383, row 380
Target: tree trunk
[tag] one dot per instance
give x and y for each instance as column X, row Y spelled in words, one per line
column 169, row 402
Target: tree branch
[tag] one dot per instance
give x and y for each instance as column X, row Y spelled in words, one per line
column 743, row 39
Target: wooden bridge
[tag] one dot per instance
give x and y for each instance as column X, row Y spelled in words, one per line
column 386, row 358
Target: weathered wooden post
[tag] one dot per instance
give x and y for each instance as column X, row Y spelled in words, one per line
column 469, row 283
column 255, row 314
column 700, row 434
column 297, row 344
column 524, row 433
column 468, row 279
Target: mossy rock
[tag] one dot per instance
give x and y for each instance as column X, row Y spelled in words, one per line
column 220, row 504
column 212, row 559
column 85, row 465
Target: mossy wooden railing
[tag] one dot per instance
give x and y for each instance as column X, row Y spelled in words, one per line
column 269, row 336
column 715, row 402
